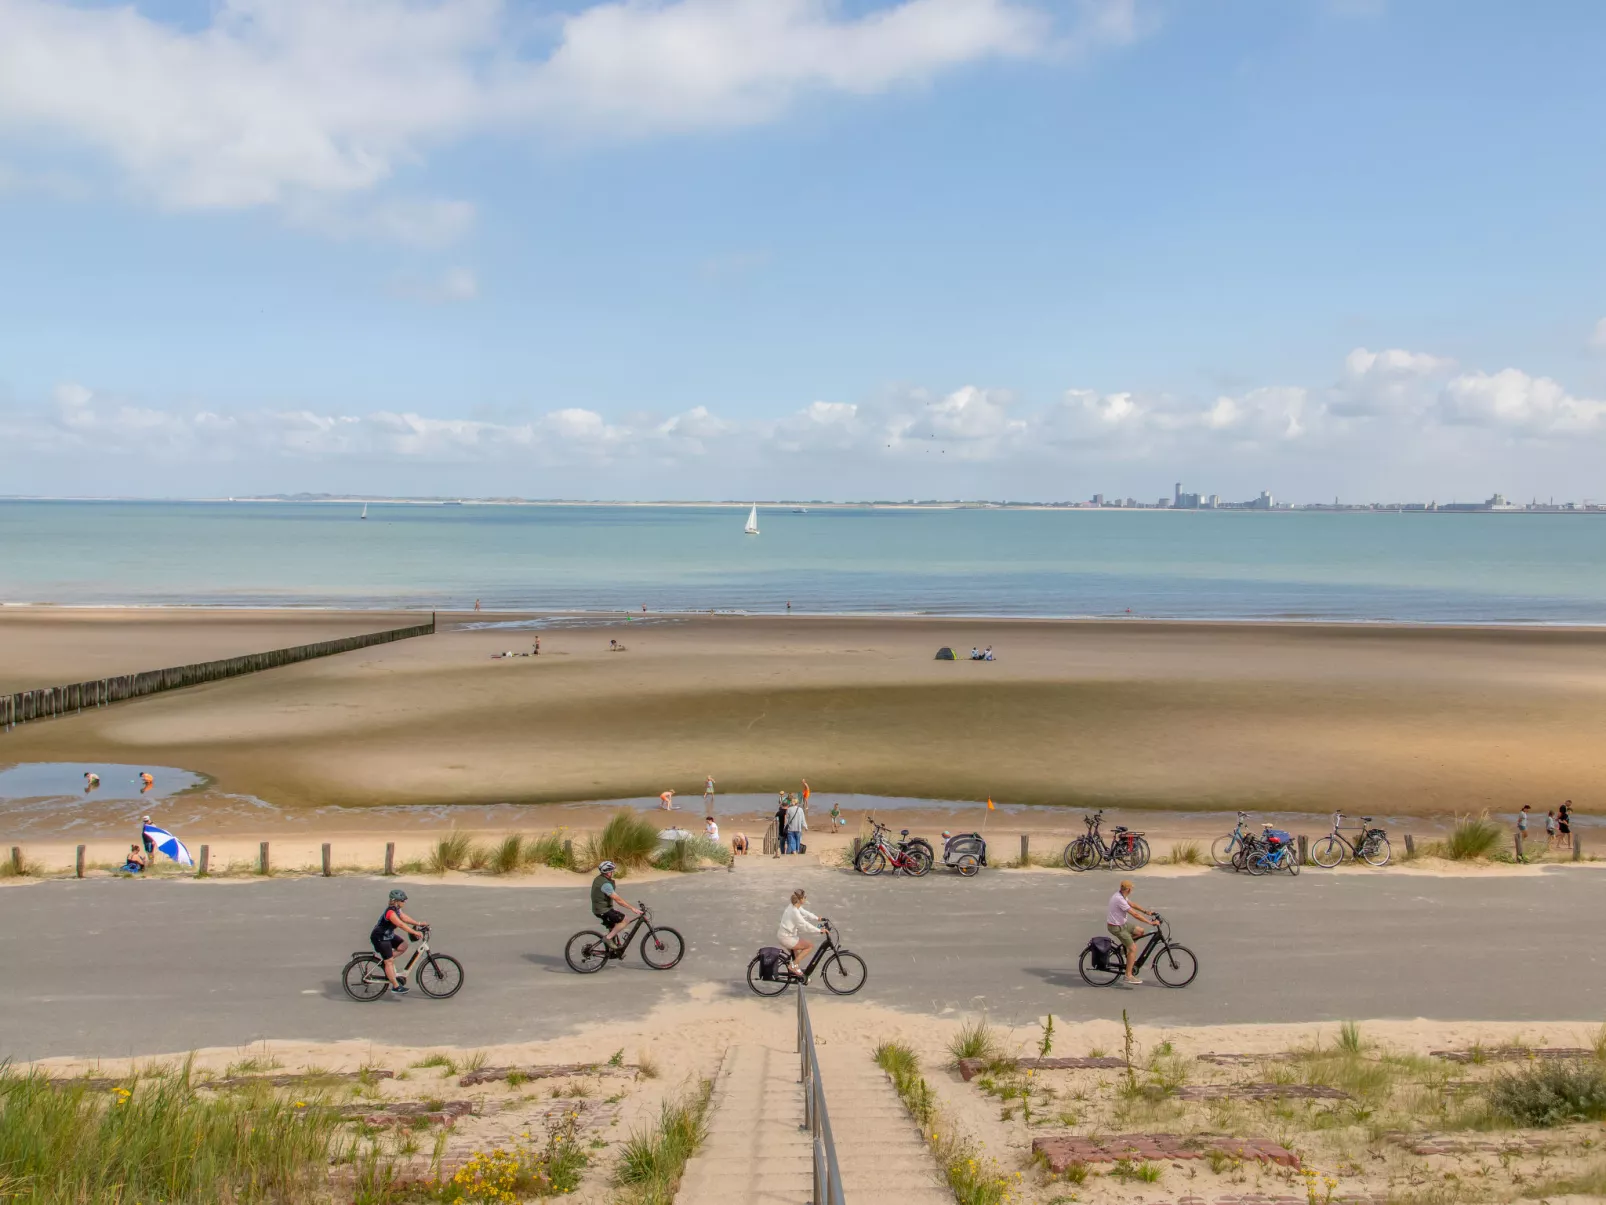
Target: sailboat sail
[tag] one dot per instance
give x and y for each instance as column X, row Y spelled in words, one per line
column 364, row 510
column 752, row 522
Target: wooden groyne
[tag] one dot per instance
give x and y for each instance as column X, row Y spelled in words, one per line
column 50, row 701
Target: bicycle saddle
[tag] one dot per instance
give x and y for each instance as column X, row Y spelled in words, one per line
column 1366, row 820
column 1119, row 828
column 904, row 832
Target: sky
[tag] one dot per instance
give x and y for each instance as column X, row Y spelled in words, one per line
column 637, row 249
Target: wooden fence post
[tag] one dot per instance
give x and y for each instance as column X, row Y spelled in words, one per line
column 568, row 853
column 1519, row 846
column 1304, row 849
column 857, row 842
column 390, row 857
column 16, row 859
column 1410, row 846
column 1578, row 846
column 1025, row 849
column 78, row 864
column 206, row 859
column 326, row 859
column 262, row 862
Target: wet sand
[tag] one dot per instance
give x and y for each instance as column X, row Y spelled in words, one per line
column 1274, row 718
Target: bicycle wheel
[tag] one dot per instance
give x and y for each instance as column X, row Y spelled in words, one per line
column 364, row 978
column 870, row 861
column 1290, row 860
column 1258, row 863
column 1091, row 972
column 662, row 948
column 1327, row 853
column 1377, row 851
column 1082, row 854
column 920, row 861
column 925, row 845
column 1223, row 848
column 440, row 976
column 967, row 865
column 844, row 973
column 1174, row 965
column 586, row 951
column 1240, row 860
column 764, row 987
column 1134, row 854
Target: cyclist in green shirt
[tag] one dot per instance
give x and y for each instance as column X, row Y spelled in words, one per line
column 606, row 902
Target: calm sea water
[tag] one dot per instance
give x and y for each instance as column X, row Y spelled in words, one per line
column 1506, row 568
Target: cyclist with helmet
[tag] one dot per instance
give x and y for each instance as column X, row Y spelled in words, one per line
column 607, row 902
column 388, row 942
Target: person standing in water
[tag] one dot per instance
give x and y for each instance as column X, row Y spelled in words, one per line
column 708, row 794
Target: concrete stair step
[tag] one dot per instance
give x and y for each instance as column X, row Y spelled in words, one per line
column 755, row 1152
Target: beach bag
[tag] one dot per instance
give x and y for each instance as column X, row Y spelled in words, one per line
column 770, row 959
column 1102, row 948
column 1278, row 837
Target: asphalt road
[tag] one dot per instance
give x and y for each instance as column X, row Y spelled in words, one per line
column 108, row 968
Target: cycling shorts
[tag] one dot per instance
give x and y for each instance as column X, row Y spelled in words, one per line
column 611, row 917
column 385, row 944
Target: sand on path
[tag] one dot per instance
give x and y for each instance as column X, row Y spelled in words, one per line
column 1290, row 717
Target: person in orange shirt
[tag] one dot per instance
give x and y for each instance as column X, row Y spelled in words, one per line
column 146, row 781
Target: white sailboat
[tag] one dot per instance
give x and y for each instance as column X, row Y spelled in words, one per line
column 752, row 521
column 364, row 514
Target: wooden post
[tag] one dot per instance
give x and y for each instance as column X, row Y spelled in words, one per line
column 857, row 842
column 1304, row 849
column 326, row 859
column 1520, row 858
column 1578, row 846
column 390, row 857
column 16, row 859
column 206, row 859
column 680, row 857
column 568, row 853
column 1025, row 849
column 1410, row 846
column 262, row 862
column 78, row 864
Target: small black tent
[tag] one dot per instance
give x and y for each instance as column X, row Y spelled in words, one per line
column 945, row 654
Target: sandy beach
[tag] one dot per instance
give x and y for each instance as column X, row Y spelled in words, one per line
column 1405, row 721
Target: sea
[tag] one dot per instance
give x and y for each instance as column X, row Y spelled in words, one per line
column 1435, row 568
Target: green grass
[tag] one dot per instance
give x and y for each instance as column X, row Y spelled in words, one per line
column 156, row 1139
column 975, row 1040
column 651, row 1161
column 447, row 1064
column 1349, row 1037
column 548, row 850
column 1550, row 1094
column 507, row 855
column 691, row 853
column 451, row 852
column 1472, row 837
column 628, row 839
column 973, row 1179
column 1186, row 853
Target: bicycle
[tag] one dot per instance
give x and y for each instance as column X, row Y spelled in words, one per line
column 841, row 970
column 1271, row 851
column 1126, row 850
column 1371, row 846
column 441, row 975
column 907, row 857
column 1174, row 964
column 1222, row 849
column 661, row 948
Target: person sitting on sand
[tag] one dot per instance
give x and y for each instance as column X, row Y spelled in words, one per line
column 710, row 829
column 795, row 922
column 975, row 653
column 136, row 861
column 987, row 655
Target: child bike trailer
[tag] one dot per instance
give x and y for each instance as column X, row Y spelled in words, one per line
column 964, row 852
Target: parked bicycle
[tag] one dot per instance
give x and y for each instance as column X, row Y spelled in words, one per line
column 1223, row 849
column 1371, row 845
column 1125, row 850
column 906, row 857
column 841, row 970
column 1103, row 959
column 1271, row 851
column 440, row 975
column 661, row 947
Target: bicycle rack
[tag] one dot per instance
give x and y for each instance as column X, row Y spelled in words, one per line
column 816, row 1117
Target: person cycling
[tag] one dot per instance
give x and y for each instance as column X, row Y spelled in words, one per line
column 606, row 902
column 1118, row 920
column 388, row 942
column 796, row 921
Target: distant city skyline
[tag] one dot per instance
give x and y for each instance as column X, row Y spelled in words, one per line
column 878, row 248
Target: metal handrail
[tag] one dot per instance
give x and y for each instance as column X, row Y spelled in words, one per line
column 816, row 1117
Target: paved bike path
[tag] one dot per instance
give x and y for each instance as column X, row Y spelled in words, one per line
column 115, row 968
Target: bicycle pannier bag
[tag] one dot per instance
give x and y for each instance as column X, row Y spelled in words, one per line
column 770, row 959
column 1103, row 948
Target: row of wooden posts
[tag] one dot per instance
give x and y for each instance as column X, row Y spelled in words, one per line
column 264, row 859
column 49, row 701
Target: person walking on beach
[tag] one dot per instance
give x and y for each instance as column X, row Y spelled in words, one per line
column 708, row 794
column 1564, row 824
column 536, row 651
column 1522, row 833
column 145, row 838
column 806, row 794
column 1118, row 920
column 1550, row 829
column 476, row 606
column 780, row 823
column 796, row 825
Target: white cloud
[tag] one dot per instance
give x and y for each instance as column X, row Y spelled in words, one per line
column 1514, row 401
column 455, row 284
column 297, row 103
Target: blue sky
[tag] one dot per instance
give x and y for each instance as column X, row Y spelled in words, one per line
column 698, row 247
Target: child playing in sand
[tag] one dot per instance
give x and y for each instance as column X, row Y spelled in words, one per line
column 667, row 801
column 710, row 829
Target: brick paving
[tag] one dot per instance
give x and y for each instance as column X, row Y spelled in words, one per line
column 1513, row 1054
column 1260, row 1092
column 1228, row 1059
column 1457, row 1144
column 488, row 1075
column 1261, row 1198
column 1060, row 1151
column 970, row 1068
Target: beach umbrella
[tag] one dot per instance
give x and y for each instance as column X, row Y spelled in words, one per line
column 165, row 842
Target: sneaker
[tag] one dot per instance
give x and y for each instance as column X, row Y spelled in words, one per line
column 399, row 990
column 1132, row 982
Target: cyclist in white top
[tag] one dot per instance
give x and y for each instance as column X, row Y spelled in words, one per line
column 796, row 921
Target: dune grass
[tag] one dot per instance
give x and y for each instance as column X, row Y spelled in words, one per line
column 155, row 1139
column 628, row 839
column 548, row 850
column 451, row 852
column 652, row 1161
column 1472, row 837
column 1550, row 1094
column 976, row 1039
column 691, row 853
column 1186, row 853
column 507, row 855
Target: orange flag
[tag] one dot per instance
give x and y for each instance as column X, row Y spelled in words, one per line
column 990, row 806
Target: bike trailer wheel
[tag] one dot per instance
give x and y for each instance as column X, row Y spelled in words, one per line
column 762, row 986
column 844, row 973
column 1174, row 965
column 586, row 952
column 364, row 978
column 1092, row 973
column 967, row 865
column 441, row 976
column 662, row 948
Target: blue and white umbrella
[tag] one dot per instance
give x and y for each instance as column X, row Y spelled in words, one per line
column 165, row 842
